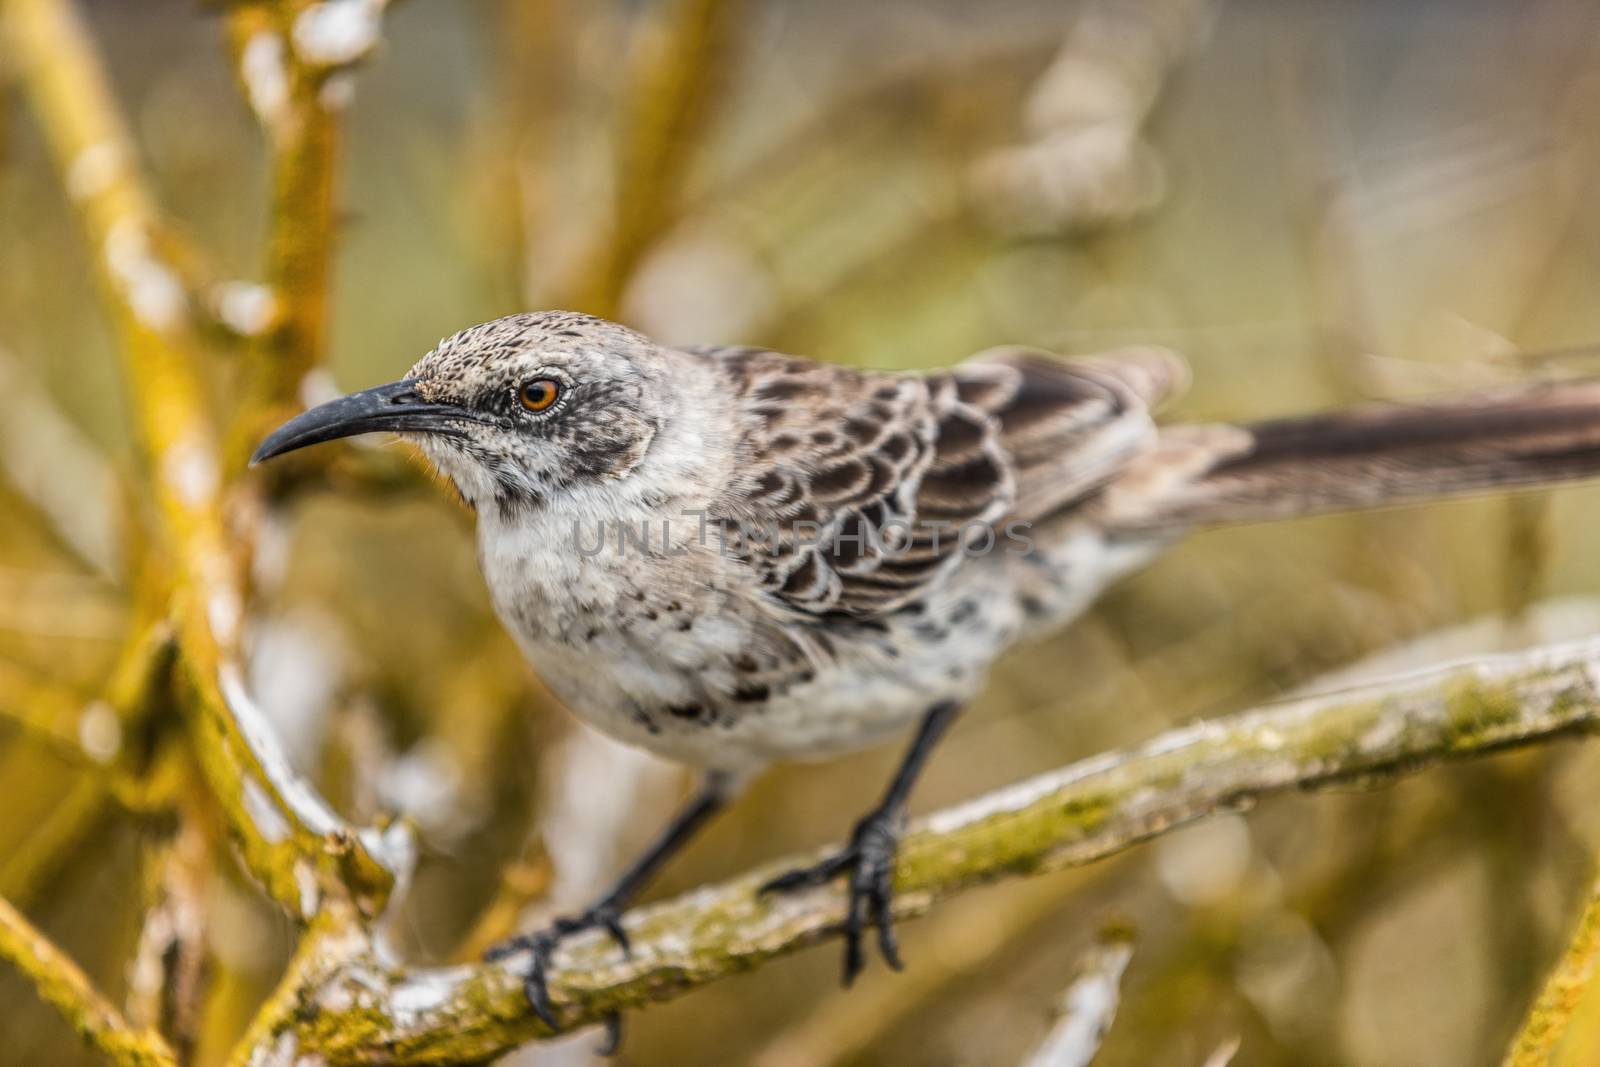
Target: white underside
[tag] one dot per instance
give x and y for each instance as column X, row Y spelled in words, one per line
column 861, row 695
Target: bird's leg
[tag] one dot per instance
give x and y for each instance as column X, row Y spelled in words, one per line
column 871, row 853
column 606, row 913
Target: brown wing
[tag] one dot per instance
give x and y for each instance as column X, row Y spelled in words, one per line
column 1069, row 425
column 860, row 489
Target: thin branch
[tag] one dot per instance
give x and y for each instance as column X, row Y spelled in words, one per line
column 683, row 57
column 46, row 710
column 59, row 470
column 1568, row 984
column 290, row 840
column 340, row 1003
column 168, row 973
column 61, row 604
column 845, row 1029
column 1223, row 1054
column 1088, row 1006
column 88, row 727
column 64, row 987
column 294, row 59
column 95, row 728
column 27, row 869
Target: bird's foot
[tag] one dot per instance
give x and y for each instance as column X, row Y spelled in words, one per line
column 541, row 945
column 870, row 860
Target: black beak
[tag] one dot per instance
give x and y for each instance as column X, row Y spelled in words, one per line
column 393, row 407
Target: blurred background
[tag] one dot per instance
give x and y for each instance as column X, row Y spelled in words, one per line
column 1317, row 202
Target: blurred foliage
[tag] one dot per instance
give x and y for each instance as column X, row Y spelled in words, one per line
column 1361, row 199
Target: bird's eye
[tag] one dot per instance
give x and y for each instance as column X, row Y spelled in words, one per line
column 538, row 394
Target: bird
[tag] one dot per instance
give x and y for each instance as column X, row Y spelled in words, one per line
column 732, row 557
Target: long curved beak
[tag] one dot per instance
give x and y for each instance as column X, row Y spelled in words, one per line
column 393, row 407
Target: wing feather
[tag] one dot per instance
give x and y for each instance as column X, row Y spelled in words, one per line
column 859, row 490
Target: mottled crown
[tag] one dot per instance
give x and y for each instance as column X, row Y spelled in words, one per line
column 612, row 390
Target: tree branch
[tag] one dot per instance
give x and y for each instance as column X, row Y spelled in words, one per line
column 47, row 710
column 289, row 838
column 1089, row 1005
column 1563, row 991
column 683, row 57
column 94, row 728
column 293, row 59
column 64, row 987
column 340, row 1004
column 59, row 470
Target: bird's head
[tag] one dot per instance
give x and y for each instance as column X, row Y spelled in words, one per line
column 516, row 410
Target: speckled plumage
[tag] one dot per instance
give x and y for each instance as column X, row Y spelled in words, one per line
column 736, row 634
column 731, row 556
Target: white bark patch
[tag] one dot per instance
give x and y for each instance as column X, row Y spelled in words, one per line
column 337, row 92
column 257, row 731
column 305, row 880
column 262, row 812
column 337, row 32
column 94, row 169
column 223, row 613
column 395, row 847
column 152, row 290
column 190, row 469
column 99, row 732
column 1087, row 1010
column 283, row 1052
column 424, row 992
column 146, row 975
column 246, row 308
column 265, row 77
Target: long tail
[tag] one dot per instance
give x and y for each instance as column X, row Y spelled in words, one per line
column 1374, row 456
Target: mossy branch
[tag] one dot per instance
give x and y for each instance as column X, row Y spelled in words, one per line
column 64, row 987
column 341, row 1004
column 1568, row 984
column 288, row 837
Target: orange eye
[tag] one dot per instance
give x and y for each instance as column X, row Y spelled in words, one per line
column 538, row 394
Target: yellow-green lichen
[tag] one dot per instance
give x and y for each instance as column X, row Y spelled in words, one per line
column 1477, row 712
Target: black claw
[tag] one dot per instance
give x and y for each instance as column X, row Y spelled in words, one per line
column 613, row 1040
column 783, row 883
column 612, row 922
column 854, row 923
column 541, row 945
column 805, row 877
column 888, row 945
column 538, row 994
column 870, row 860
column 509, row 947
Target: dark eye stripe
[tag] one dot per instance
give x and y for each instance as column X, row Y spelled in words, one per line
column 538, row 394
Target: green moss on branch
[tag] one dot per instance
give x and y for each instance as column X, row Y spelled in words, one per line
column 64, row 987
column 341, row 1005
column 288, row 839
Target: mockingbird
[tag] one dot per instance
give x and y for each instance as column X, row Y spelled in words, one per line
column 731, row 556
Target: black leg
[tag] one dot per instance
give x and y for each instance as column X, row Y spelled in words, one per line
column 870, row 855
column 606, row 913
